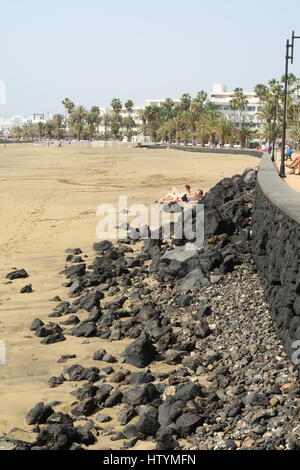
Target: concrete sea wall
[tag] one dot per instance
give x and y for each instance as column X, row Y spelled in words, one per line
column 276, row 252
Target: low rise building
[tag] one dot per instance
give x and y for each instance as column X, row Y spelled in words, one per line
column 8, row 123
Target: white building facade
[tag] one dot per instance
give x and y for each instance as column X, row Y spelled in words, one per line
column 8, row 123
column 221, row 98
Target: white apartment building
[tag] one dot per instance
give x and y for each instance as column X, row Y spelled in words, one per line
column 159, row 102
column 221, row 97
column 8, row 123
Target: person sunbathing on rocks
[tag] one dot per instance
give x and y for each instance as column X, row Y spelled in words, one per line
column 175, row 196
column 294, row 166
column 196, row 196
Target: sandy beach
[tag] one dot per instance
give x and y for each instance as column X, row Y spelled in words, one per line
column 49, row 198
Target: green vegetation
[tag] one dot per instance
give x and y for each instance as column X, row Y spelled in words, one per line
column 271, row 98
column 192, row 119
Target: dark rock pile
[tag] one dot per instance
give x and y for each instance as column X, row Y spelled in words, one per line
column 204, row 363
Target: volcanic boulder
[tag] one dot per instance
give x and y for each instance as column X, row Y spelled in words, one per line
column 141, row 352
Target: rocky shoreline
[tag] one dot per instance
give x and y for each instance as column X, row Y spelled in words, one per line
column 199, row 315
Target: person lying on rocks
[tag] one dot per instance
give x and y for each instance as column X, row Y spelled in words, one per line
column 175, row 196
column 294, row 166
column 196, row 196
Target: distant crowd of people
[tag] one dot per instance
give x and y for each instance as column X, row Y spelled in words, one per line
column 288, row 151
column 294, row 165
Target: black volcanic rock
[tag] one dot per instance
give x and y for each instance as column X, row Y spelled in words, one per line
column 86, row 407
column 113, row 399
column 74, row 259
column 73, row 251
column 36, row 323
column 144, row 377
column 165, row 440
column 77, row 373
column 188, row 391
column 86, row 330
column 58, row 437
column 126, row 415
column 141, row 352
column 53, row 338
column 169, row 411
column 89, row 301
column 17, row 274
column 77, row 270
column 147, row 425
column 60, row 418
column 187, row 423
column 103, row 245
column 140, row 394
column 39, row 414
column 26, row 289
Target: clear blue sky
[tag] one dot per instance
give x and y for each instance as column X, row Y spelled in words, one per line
column 93, row 50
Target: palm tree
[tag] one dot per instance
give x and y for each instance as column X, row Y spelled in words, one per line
column 185, row 102
column 225, row 130
column 49, row 129
column 142, row 116
column 176, row 126
column 270, row 132
column 239, row 102
column 164, row 132
column 291, row 79
column 153, row 118
column 294, row 133
column 261, row 91
column 116, row 105
column 129, row 125
column 77, row 120
column 129, row 106
column 211, row 116
column 293, row 114
column 58, row 121
column 94, row 120
column 191, row 118
column 266, row 112
column 17, row 132
column 234, row 106
column 185, row 135
column 168, row 108
column 69, row 106
column 244, row 133
column 29, row 130
column 116, row 123
column 202, row 132
column 115, row 117
column 41, row 129
column 128, row 122
column 106, row 123
column 199, row 101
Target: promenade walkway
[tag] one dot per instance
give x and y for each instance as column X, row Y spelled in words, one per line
column 292, row 180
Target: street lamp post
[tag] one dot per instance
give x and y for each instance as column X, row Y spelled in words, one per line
column 287, row 58
column 289, row 55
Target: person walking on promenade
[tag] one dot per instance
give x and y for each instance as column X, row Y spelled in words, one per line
column 288, row 152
